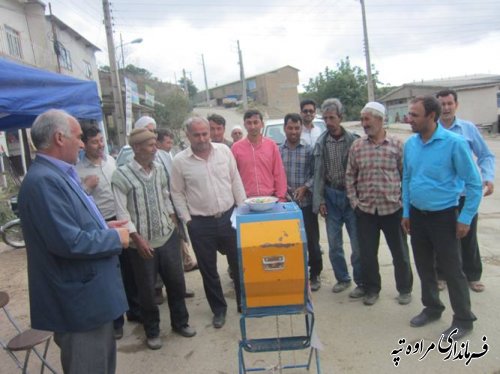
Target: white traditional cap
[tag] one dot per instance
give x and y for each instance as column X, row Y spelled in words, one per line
column 376, row 107
column 143, row 122
column 236, row 128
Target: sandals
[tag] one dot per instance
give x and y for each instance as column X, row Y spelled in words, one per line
column 476, row 286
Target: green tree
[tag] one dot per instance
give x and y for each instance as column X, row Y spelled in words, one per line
column 192, row 89
column 135, row 70
column 171, row 108
column 347, row 83
column 172, row 112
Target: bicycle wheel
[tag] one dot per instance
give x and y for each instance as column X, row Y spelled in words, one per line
column 12, row 234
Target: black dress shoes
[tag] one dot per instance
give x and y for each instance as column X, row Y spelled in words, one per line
column 456, row 332
column 186, row 331
column 423, row 319
column 219, row 320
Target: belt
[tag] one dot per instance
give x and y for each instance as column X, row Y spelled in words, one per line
column 433, row 212
column 217, row 215
column 335, row 186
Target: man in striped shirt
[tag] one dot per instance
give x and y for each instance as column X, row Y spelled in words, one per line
column 373, row 184
column 297, row 160
column 142, row 197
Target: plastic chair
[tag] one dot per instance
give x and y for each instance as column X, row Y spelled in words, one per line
column 25, row 341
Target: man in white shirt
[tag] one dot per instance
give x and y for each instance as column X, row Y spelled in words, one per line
column 164, row 143
column 205, row 187
column 95, row 170
column 310, row 133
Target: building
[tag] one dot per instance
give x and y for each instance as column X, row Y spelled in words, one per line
column 138, row 104
column 76, row 54
column 276, row 90
column 478, row 97
column 30, row 37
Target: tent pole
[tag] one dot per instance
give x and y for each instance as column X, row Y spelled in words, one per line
column 23, row 153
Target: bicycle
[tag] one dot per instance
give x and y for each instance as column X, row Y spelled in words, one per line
column 11, row 232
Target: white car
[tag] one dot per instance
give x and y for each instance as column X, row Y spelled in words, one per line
column 125, row 155
column 273, row 129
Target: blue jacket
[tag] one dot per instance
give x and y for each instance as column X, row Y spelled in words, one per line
column 73, row 269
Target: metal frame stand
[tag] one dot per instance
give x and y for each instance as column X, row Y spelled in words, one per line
column 277, row 344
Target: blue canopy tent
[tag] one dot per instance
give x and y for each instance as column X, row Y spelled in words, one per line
column 25, row 92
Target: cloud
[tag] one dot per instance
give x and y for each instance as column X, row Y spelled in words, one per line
column 406, row 42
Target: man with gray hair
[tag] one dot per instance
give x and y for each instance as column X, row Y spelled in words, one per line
column 205, row 194
column 330, row 198
column 373, row 185
column 74, row 279
column 141, row 193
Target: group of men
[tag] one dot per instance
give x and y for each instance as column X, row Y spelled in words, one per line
column 77, row 220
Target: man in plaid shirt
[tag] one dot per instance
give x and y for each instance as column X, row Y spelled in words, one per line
column 373, row 184
column 297, row 160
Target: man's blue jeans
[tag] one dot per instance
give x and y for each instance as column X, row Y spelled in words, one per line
column 340, row 212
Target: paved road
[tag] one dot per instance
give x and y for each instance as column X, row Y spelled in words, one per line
column 356, row 338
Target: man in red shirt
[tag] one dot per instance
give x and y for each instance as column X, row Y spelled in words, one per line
column 259, row 161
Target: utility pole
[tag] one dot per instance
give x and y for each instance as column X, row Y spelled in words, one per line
column 371, row 91
column 205, row 76
column 121, row 48
column 186, row 88
column 243, row 81
column 119, row 112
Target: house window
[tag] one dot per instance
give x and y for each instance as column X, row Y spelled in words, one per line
column 88, row 69
column 251, row 85
column 13, row 42
column 65, row 58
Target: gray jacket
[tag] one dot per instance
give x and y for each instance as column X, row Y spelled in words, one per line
column 319, row 165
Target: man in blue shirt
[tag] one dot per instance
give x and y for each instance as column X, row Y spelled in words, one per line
column 297, row 159
column 485, row 159
column 436, row 165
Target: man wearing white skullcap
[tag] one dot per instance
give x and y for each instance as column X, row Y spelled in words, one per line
column 236, row 133
column 373, row 184
column 145, row 122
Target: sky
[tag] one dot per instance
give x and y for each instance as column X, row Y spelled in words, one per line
column 408, row 40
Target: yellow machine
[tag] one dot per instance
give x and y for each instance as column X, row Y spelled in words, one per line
column 272, row 256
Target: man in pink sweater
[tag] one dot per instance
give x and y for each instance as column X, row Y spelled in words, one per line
column 259, row 161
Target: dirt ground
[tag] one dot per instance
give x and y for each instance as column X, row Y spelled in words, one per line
column 355, row 338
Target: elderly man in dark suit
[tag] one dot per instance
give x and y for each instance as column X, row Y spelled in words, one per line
column 75, row 285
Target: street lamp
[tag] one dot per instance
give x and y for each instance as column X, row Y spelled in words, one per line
column 135, row 41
